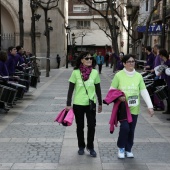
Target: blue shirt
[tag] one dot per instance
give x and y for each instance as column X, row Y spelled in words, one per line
column 99, row 59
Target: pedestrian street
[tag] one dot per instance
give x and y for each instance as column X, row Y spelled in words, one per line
column 30, row 139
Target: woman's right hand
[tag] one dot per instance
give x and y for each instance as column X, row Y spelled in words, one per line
column 122, row 98
column 68, row 108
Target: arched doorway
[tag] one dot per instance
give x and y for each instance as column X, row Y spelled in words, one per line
column 8, row 26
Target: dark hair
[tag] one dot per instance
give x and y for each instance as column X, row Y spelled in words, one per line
column 157, row 46
column 164, row 53
column 81, row 56
column 19, row 47
column 148, row 48
column 3, row 56
column 10, row 48
column 126, row 57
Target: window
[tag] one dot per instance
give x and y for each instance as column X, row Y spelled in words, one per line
column 101, row 6
column 80, row 8
column 83, row 24
column 147, row 5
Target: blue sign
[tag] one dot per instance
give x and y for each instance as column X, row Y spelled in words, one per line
column 151, row 29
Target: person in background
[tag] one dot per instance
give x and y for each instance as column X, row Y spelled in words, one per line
column 149, row 59
column 158, row 60
column 159, row 80
column 130, row 83
column 95, row 55
column 100, row 61
column 10, row 63
column 85, row 81
column 165, row 57
column 19, row 58
column 58, row 58
column 3, row 66
column 3, row 72
column 107, row 59
column 119, row 64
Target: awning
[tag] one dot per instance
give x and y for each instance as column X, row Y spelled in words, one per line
column 90, row 37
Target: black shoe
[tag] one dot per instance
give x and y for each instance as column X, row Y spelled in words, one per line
column 165, row 112
column 92, row 152
column 81, row 151
column 6, row 109
column 168, row 119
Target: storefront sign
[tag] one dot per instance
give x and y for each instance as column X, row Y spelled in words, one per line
column 153, row 29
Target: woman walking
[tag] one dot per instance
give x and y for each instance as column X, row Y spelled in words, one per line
column 125, row 89
column 85, row 81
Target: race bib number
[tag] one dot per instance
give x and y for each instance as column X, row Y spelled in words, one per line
column 133, row 101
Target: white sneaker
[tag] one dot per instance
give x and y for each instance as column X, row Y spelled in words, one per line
column 129, row 154
column 121, row 153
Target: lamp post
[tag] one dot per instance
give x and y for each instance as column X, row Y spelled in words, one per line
column 0, row 25
column 73, row 43
column 163, row 37
column 35, row 17
column 49, row 28
column 83, row 35
column 67, row 31
column 129, row 13
column 47, row 34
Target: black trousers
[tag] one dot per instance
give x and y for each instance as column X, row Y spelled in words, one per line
column 58, row 64
column 126, row 133
column 100, row 67
column 79, row 112
column 168, row 101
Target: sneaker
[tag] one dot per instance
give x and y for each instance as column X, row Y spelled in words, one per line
column 129, row 154
column 92, row 152
column 81, row 151
column 121, row 153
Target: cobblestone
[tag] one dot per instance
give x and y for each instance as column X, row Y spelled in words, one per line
column 24, row 131
column 32, row 140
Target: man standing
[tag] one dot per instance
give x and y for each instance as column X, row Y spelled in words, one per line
column 100, row 61
column 150, row 59
column 58, row 61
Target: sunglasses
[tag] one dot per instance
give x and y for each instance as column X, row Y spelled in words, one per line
column 88, row 58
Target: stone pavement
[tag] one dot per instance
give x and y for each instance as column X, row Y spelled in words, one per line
column 30, row 139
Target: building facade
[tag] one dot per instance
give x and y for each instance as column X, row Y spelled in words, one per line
column 10, row 30
column 84, row 24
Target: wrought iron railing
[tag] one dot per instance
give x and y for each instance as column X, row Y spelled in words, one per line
column 7, row 40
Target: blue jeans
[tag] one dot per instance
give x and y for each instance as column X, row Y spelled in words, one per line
column 126, row 134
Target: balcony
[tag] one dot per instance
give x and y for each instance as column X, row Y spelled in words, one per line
column 156, row 17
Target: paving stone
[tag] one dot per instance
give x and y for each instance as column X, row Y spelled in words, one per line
column 23, row 131
column 35, row 118
column 156, row 154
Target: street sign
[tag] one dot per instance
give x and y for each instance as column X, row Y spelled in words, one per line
column 153, row 29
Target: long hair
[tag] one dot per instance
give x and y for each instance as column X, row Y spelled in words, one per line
column 3, row 56
column 81, row 56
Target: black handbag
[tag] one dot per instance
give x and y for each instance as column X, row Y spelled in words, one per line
column 92, row 105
